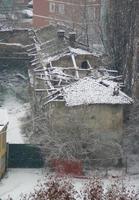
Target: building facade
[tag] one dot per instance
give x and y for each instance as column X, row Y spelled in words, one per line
column 65, row 11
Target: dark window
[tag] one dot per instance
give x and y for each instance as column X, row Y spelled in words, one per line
column 84, row 65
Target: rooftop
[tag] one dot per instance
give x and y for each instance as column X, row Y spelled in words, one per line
column 53, row 45
column 72, row 74
column 94, row 91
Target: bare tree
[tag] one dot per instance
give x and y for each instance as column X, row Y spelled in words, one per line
column 121, row 41
column 74, row 142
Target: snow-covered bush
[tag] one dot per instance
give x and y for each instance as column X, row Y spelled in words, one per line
column 117, row 191
column 93, row 190
column 62, row 189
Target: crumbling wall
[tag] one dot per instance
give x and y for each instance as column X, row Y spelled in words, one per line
column 15, row 36
column 106, row 120
column 12, row 50
column 93, row 131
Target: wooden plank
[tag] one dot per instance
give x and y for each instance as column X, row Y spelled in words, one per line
column 41, row 90
column 75, row 65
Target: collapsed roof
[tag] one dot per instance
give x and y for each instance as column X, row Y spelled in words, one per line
column 94, row 91
column 72, row 73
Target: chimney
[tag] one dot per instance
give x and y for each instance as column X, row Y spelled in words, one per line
column 72, row 39
column 61, row 34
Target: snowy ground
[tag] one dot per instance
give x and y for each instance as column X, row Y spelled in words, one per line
column 15, row 111
column 19, row 181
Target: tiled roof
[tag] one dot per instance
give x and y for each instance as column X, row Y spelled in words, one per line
column 93, row 91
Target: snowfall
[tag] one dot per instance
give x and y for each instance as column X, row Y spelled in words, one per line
column 14, row 111
column 19, row 181
column 22, row 181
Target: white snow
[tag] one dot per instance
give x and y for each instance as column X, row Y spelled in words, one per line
column 28, row 12
column 23, row 181
column 15, row 111
column 68, row 52
column 3, row 118
column 79, row 51
column 49, row 59
column 12, row 44
column 59, row 74
column 19, row 181
column 91, row 91
column 30, row 3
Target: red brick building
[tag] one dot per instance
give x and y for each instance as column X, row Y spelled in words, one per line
column 21, row 2
column 65, row 11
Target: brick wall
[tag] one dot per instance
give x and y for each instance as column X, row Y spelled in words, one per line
column 63, row 11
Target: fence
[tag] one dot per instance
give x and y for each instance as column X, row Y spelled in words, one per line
column 24, row 156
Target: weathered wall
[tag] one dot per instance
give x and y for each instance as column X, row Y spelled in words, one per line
column 99, row 127
column 15, row 36
column 2, row 165
column 66, row 61
column 13, row 55
column 3, row 150
column 106, row 120
column 12, row 51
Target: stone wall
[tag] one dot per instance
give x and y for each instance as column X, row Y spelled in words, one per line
column 15, row 36
column 95, row 129
column 105, row 120
column 12, row 50
column 66, row 61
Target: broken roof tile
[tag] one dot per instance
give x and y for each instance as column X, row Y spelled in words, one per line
column 91, row 91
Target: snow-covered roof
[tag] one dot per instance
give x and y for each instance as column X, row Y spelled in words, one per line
column 12, row 44
column 3, row 118
column 27, row 12
column 31, row 2
column 79, row 51
column 68, row 52
column 93, row 91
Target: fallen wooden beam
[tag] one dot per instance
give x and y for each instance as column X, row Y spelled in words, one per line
column 41, row 90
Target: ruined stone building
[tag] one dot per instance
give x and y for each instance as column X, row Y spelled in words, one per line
column 80, row 96
column 72, row 87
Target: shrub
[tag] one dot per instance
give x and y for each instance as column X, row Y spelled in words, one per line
column 62, row 189
column 93, row 190
column 53, row 189
column 119, row 192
